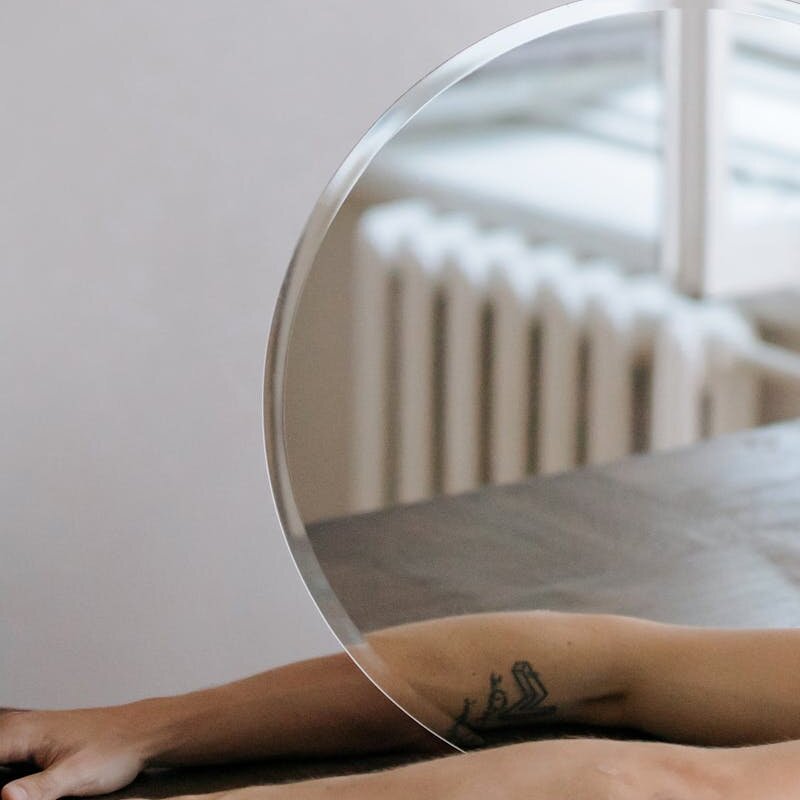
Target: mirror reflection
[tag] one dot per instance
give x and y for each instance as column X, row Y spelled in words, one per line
column 514, row 287
column 547, row 356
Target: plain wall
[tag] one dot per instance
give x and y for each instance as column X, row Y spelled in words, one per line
column 157, row 163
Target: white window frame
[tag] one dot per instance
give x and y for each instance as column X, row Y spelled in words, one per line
column 702, row 254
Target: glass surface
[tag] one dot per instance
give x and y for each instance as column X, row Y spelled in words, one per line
column 541, row 336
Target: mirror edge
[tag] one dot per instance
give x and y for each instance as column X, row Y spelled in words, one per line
column 566, row 13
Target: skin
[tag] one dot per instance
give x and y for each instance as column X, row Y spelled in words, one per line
column 553, row 770
column 695, row 686
column 315, row 708
column 692, row 685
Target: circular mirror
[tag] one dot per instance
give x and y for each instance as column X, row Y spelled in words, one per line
column 538, row 350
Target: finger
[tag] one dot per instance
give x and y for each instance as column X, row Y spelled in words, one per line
column 57, row 781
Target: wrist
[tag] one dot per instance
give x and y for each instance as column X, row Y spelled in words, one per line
column 155, row 728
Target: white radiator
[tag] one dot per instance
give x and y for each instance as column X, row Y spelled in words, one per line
column 482, row 358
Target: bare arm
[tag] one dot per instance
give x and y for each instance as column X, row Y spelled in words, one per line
column 696, row 685
column 320, row 707
column 577, row 769
column 482, row 672
column 516, row 669
column 719, row 687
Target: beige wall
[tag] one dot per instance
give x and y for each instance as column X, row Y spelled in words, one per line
column 158, row 163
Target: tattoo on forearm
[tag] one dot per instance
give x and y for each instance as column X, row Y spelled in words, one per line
column 462, row 733
column 500, row 710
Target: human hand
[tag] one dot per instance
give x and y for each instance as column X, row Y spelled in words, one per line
column 85, row 752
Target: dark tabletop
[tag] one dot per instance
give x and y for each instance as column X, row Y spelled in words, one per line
column 708, row 536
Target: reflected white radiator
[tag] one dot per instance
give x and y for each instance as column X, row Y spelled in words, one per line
column 481, row 358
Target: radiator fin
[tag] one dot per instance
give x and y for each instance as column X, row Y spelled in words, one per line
column 479, row 356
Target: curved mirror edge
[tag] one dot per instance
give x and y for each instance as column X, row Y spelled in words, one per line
column 565, row 14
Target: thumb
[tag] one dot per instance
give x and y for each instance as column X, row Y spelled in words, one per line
column 55, row 782
column 13, row 791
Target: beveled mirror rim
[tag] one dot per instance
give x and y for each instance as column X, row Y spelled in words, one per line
column 564, row 14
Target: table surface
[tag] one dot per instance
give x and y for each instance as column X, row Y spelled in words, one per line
column 707, row 535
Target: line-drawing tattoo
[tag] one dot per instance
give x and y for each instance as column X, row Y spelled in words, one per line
column 461, row 733
column 499, row 709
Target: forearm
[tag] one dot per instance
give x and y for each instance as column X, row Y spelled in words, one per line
column 721, row 687
column 520, row 668
column 320, row 707
column 326, row 706
column 694, row 685
column 579, row 769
